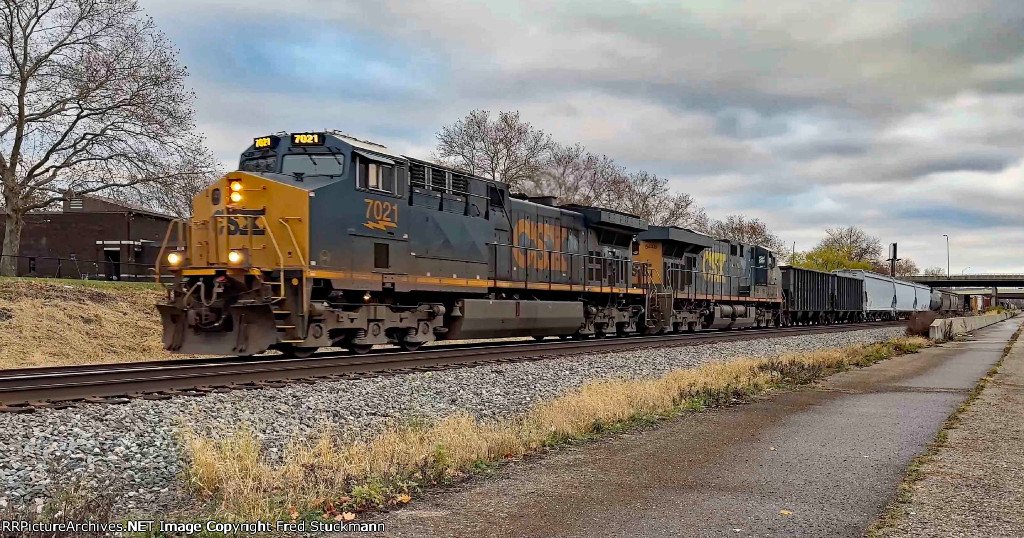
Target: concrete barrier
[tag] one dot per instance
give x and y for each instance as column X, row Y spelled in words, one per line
column 944, row 329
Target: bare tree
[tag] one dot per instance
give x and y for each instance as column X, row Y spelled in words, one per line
column 511, row 150
column 504, row 149
column 173, row 196
column 855, row 242
column 904, row 267
column 576, row 176
column 648, row 196
column 749, row 231
column 934, row 271
column 92, row 99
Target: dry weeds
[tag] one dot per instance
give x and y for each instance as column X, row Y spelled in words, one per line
column 330, row 474
column 46, row 322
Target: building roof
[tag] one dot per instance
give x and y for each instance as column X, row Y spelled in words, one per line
column 100, row 204
column 128, row 206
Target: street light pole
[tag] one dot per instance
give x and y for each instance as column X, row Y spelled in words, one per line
column 947, row 254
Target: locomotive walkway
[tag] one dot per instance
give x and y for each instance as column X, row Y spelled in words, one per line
column 822, row 461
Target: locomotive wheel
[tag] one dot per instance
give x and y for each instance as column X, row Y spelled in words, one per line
column 600, row 334
column 299, row 352
column 565, row 336
column 360, row 349
column 409, row 346
column 538, row 337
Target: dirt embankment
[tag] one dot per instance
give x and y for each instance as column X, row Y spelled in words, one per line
column 63, row 322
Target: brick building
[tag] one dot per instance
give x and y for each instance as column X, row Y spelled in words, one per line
column 91, row 237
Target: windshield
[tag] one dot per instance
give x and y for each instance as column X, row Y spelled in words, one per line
column 260, row 164
column 310, row 165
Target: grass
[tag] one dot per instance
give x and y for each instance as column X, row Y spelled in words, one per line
column 50, row 322
column 330, row 477
column 72, row 501
column 898, row 509
column 79, row 283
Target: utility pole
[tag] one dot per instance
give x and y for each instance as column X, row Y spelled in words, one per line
column 947, row 254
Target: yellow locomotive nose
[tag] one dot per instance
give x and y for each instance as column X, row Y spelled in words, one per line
column 248, row 222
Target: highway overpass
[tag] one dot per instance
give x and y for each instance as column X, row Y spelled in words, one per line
column 969, row 281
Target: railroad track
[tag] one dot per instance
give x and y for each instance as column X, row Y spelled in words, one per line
column 25, row 390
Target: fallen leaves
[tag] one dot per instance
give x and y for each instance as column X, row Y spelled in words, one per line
column 786, row 512
column 344, row 516
column 403, row 498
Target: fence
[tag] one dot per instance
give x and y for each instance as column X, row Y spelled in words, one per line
column 56, row 267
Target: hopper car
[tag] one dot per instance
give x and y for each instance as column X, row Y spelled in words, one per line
column 889, row 298
column 813, row 297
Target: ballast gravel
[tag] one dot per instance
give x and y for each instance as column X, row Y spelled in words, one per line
column 133, row 447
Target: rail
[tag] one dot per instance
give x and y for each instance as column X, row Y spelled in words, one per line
column 24, row 390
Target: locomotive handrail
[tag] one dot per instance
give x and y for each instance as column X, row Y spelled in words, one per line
column 277, row 249
column 302, row 260
column 251, row 221
column 163, row 244
column 572, row 255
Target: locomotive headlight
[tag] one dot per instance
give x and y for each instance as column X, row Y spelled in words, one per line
column 236, row 197
column 175, row 259
column 236, row 257
column 236, row 186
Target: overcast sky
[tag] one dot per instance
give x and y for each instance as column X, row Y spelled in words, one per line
column 904, row 118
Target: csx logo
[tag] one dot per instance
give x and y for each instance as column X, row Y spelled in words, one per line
column 542, row 236
column 714, row 266
column 239, row 226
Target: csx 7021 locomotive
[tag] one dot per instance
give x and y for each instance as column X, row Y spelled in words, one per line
column 321, row 239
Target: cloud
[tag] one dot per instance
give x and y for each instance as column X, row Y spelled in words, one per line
column 904, row 118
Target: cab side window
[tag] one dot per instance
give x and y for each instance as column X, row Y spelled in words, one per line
column 376, row 176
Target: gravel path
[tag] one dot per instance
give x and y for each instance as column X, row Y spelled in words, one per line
column 132, row 446
column 974, row 486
